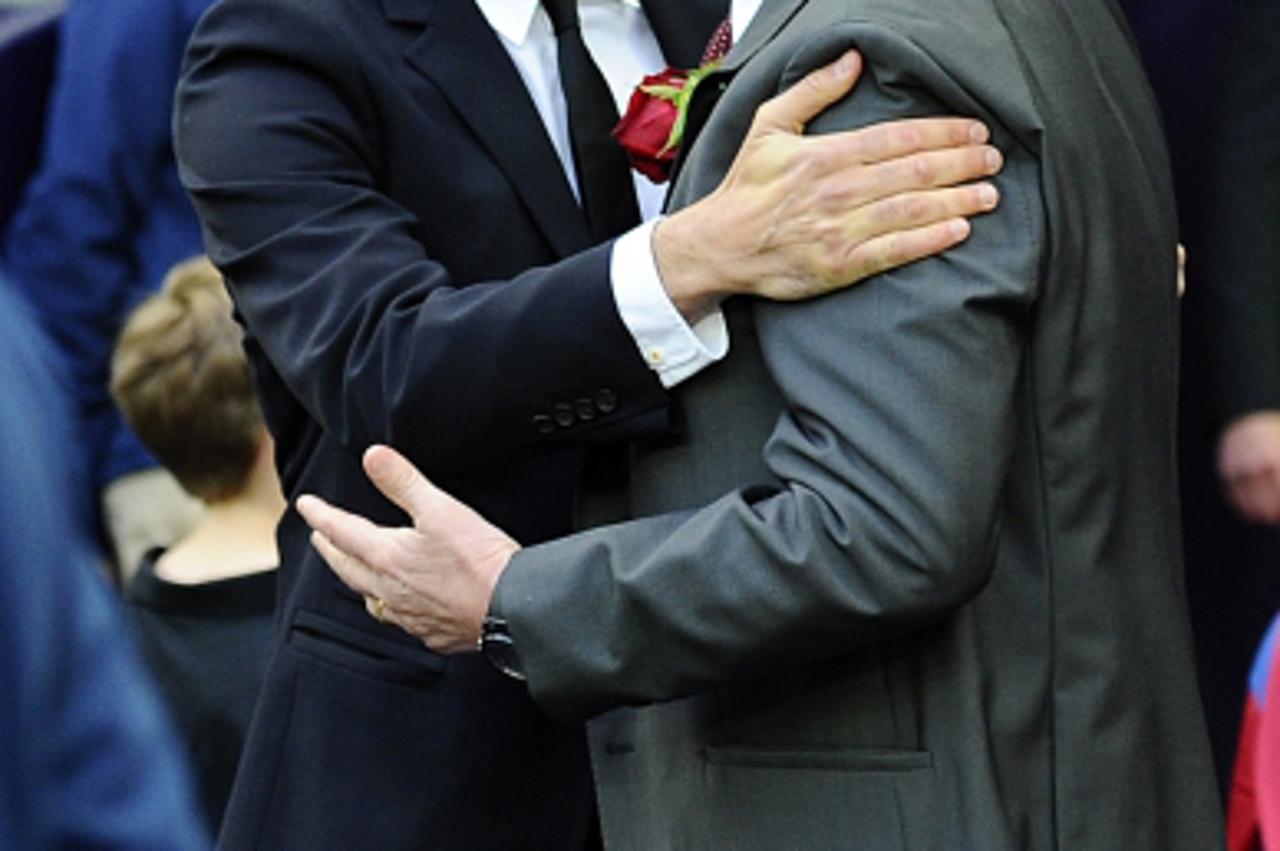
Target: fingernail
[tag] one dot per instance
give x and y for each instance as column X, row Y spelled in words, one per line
column 978, row 133
column 988, row 196
column 959, row 228
column 994, row 159
column 844, row 67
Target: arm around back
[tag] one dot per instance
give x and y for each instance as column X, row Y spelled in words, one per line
column 885, row 466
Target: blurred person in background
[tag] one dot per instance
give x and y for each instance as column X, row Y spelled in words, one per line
column 1253, row 810
column 1241, row 304
column 1240, row 248
column 1223, row 123
column 1240, row 315
column 100, row 223
column 203, row 607
column 88, row 758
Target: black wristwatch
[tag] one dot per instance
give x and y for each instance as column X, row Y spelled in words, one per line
column 499, row 647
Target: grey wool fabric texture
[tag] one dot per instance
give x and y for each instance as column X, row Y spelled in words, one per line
column 912, row 577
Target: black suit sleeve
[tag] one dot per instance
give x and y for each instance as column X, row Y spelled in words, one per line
column 287, row 143
column 1235, row 273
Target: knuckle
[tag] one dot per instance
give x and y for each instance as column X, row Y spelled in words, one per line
column 888, row 211
column 876, row 213
column 812, row 162
column 814, row 83
column 382, row 557
column 915, row 208
column 860, row 144
column 909, row 136
column 766, row 113
column 888, row 252
column 830, row 159
column 923, row 170
column 948, row 203
column 877, row 142
column 862, row 262
column 831, row 254
column 396, row 599
column 830, row 195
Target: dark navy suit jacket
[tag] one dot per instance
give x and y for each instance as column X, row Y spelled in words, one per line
column 412, row 268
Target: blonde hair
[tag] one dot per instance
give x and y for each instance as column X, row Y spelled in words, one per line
column 180, row 377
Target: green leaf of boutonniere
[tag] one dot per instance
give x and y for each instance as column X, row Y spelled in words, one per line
column 683, row 99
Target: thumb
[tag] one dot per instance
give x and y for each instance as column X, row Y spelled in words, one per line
column 399, row 481
column 817, row 90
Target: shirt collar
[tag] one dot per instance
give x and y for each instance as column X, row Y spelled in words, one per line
column 512, row 19
column 741, row 12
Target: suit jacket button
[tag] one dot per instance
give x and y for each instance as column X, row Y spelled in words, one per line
column 563, row 413
column 543, row 424
column 606, row 401
column 586, row 410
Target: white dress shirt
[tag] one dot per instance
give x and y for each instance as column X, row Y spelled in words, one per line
column 742, row 12
column 619, row 38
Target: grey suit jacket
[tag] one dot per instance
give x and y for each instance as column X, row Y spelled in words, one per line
column 912, row 580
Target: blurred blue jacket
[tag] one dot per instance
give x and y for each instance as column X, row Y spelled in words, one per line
column 87, row 757
column 104, row 217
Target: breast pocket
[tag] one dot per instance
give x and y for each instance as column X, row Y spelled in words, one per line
column 357, row 651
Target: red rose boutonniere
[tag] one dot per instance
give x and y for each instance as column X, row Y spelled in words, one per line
column 653, row 127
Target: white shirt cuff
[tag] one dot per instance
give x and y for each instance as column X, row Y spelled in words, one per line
column 673, row 348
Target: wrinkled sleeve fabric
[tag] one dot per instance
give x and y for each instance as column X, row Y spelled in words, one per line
column 279, row 146
column 891, row 453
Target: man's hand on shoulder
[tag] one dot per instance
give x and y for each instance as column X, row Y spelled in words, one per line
column 798, row 216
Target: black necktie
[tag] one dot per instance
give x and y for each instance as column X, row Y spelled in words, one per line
column 604, row 175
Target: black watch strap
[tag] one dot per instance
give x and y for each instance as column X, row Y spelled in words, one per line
column 499, row 647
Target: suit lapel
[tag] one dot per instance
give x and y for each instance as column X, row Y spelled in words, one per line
column 460, row 53
column 683, row 27
column 463, row 56
column 768, row 22
column 772, row 17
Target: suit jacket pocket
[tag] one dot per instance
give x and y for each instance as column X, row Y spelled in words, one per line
column 825, row 759
column 327, row 640
column 817, row 799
